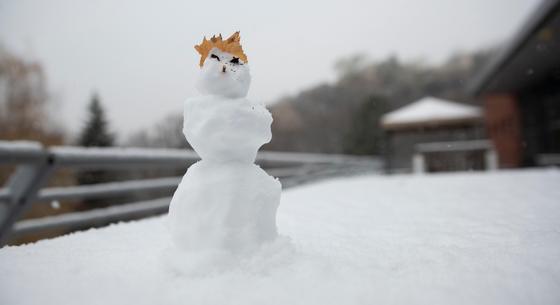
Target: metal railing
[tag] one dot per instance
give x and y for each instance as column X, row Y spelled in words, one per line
column 35, row 165
column 422, row 149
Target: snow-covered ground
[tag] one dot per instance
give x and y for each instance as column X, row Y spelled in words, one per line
column 469, row 238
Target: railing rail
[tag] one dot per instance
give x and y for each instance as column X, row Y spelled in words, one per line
column 36, row 164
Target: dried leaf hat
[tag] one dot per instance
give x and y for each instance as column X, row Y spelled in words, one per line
column 230, row 45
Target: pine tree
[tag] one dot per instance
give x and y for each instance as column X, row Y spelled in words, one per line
column 96, row 131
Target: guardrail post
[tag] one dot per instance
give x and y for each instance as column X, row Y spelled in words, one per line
column 491, row 160
column 418, row 163
column 23, row 186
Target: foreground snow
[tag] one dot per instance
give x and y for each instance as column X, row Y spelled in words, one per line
column 440, row 239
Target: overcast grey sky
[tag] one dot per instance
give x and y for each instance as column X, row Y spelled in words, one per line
column 139, row 54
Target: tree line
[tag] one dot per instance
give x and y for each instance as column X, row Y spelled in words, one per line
column 344, row 117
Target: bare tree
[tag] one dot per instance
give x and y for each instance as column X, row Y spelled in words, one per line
column 23, row 101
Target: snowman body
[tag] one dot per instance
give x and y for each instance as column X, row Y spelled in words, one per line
column 225, row 202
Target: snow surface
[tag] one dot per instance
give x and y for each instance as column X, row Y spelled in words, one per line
column 465, row 238
column 430, row 109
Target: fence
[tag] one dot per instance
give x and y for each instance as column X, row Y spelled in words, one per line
column 35, row 165
column 443, row 153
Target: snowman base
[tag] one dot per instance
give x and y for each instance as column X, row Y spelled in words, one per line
column 269, row 256
column 224, row 206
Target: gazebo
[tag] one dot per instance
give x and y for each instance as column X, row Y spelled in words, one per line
column 452, row 129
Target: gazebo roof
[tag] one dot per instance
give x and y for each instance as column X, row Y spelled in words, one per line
column 431, row 112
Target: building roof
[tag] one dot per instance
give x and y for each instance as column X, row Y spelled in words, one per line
column 528, row 57
column 431, row 112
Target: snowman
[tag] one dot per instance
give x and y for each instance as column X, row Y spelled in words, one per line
column 224, row 203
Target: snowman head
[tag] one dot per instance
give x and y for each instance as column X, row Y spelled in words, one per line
column 223, row 67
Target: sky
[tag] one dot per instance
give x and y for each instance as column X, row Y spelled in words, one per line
column 138, row 55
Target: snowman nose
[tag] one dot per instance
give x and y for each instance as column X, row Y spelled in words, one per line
column 224, row 69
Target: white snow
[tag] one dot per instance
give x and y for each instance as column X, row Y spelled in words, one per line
column 430, row 109
column 463, row 238
column 229, row 207
column 224, row 208
column 223, row 129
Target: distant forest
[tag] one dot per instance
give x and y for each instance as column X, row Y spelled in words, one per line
column 343, row 117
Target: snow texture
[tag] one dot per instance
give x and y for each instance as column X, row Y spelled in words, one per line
column 430, row 109
column 229, row 207
column 464, row 238
column 219, row 76
column 226, row 130
column 224, row 209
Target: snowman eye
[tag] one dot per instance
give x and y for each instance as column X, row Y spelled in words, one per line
column 235, row 60
column 215, row 56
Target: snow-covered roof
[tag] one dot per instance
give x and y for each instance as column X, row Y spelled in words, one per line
column 431, row 111
column 457, row 238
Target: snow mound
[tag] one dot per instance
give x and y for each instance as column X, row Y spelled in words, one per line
column 225, row 206
column 224, row 130
column 231, row 208
column 469, row 238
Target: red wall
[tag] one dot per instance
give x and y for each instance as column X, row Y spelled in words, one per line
column 503, row 126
